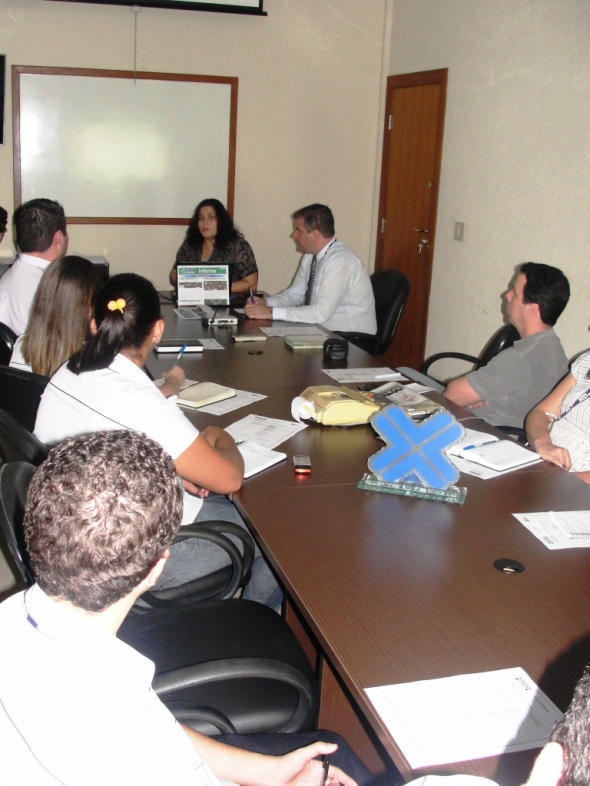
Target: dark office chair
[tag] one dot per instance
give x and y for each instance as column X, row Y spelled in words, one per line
column 7, row 339
column 20, row 394
column 18, row 444
column 502, row 339
column 391, row 290
column 14, row 482
column 236, row 658
column 221, row 665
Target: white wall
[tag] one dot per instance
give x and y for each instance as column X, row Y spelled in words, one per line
column 516, row 156
column 308, row 113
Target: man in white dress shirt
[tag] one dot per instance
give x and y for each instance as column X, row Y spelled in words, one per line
column 76, row 703
column 41, row 237
column 331, row 287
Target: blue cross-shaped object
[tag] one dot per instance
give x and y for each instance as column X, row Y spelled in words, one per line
column 415, row 449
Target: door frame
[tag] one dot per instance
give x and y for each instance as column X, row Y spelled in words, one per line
column 416, row 79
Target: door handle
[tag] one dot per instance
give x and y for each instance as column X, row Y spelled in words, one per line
column 422, row 231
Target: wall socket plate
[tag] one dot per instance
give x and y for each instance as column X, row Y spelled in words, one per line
column 459, row 231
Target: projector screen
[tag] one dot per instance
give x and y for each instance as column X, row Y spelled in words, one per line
column 228, row 6
column 119, row 147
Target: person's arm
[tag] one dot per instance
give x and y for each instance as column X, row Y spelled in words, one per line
column 175, row 379
column 212, row 462
column 239, row 251
column 292, row 296
column 460, row 392
column 244, row 284
column 539, row 419
column 334, row 280
column 298, row 768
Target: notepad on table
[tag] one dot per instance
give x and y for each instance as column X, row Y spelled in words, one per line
column 172, row 345
column 202, row 393
column 305, row 342
column 501, row 455
column 256, row 458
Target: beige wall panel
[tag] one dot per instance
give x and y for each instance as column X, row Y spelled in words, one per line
column 516, row 156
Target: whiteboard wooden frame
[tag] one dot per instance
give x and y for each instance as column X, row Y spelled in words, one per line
column 186, row 80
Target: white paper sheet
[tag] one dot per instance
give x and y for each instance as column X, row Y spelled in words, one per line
column 241, row 399
column 211, row 343
column 346, row 375
column 268, row 432
column 470, row 716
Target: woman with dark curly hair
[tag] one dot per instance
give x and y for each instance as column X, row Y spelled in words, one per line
column 212, row 237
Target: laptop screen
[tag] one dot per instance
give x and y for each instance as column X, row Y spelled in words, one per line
column 199, row 285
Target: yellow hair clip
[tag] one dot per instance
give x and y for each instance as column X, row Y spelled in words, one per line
column 116, row 305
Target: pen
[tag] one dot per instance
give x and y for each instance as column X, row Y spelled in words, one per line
column 251, row 296
column 180, row 354
column 478, row 445
column 325, row 767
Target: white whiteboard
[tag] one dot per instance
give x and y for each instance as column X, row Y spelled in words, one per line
column 109, row 147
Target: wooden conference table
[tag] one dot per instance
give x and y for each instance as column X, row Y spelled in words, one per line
column 386, row 589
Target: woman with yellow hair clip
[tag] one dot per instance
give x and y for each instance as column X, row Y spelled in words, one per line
column 103, row 387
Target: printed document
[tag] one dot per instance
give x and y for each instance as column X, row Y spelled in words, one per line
column 565, row 530
column 268, row 432
column 470, row 716
column 345, row 376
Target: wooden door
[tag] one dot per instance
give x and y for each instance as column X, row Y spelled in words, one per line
column 412, row 148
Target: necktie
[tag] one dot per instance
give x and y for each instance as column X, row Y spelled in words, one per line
column 310, row 280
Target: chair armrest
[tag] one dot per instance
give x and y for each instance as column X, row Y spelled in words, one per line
column 242, row 668
column 203, row 529
column 201, row 588
column 194, row 715
column 514, row 432
column 440, row 355
column 366, row 341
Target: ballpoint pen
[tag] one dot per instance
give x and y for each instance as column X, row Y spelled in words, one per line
column 325, row 767
column 180, row 354
column 251, row 296
column 478, row 444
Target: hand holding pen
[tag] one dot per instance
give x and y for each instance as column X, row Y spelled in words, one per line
column 175, row 378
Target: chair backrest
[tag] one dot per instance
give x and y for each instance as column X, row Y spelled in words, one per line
column 20, row 394
column 502, row 339
column 391, row 290
column 7, row 339
column 14, row 483
column 18, row 444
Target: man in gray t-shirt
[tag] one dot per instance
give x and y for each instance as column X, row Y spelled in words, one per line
column 512, row 383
